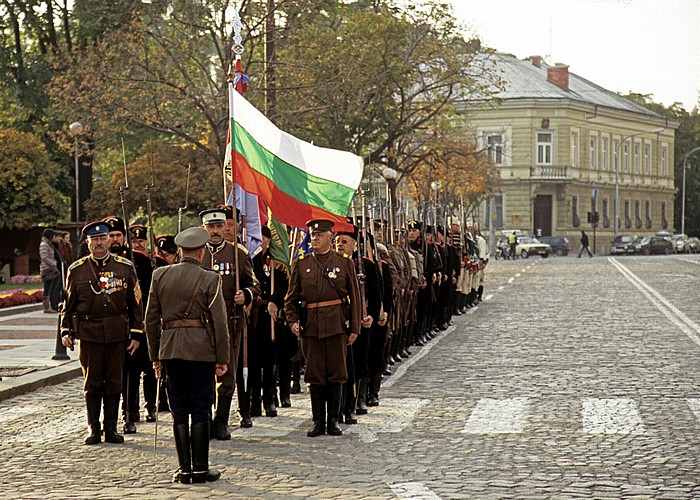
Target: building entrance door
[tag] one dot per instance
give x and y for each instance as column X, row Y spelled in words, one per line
column 543, row 215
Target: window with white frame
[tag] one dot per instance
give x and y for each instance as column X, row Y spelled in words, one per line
column 626, row 157
column 647, row 159
column 664, row 159
column 604, row 153
column 616, row 154
column 594, row 152
column 574, row 149
column 544, row 148
column 637, row 157
column 494, row 147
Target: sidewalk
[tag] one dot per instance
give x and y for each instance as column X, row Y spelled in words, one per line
column 27, row 344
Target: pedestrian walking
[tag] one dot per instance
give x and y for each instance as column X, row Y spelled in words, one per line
column 103, row 310
column 49, row 270
column 187, row 332
column 584, row 245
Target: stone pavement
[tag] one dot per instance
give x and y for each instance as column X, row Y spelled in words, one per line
column 576, row 378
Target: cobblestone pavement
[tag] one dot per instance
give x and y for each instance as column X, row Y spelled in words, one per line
column 575, row 378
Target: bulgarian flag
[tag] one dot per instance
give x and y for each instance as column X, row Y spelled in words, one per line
column 297, row 180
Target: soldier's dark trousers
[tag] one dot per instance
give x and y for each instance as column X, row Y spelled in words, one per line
column 190, row 389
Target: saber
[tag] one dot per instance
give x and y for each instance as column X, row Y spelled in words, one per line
column 155, row 432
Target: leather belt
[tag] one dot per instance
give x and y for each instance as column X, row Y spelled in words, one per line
column 325, row 303
column 182, row 323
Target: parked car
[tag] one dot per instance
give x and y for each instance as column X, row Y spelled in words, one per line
column 560, row 244
column 625, row 244
column 656, row 245
column 681, row 243
column 529, row 245
column 694, row 244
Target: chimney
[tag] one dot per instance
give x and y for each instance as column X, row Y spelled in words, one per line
column 559, row 75
column 536, row 61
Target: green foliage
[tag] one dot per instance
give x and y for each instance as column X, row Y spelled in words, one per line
column 28, row 196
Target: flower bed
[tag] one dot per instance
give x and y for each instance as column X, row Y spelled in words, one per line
column 21, row 278
column 12, row 298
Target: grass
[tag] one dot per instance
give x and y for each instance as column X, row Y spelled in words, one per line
column 20, row 286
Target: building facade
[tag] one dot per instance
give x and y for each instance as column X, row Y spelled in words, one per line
column 556, row 139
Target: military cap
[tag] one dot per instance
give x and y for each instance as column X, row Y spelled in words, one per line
column 138, row 231
column 213, row 216
column 320, row 225
column 115, row 224
column 414, row 224
column 96, row 228
column 440, row 229
column 470, row 223
column 266, row 231
column 380, row 222
column 429, row 229
column 347, row 232
column 166, row 242
column 192, row 238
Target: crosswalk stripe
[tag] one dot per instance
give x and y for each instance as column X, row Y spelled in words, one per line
column 611, row 416
column 413, row 491
column 498, row 416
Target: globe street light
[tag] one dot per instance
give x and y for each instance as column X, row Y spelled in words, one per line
column 75, row 129
column 685, row 159
column 617, row 173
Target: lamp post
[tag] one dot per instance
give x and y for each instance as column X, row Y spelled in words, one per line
column 75, row 129
column 617, row 173
column 685, row 160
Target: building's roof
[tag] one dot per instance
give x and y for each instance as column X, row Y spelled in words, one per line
column 524, row 80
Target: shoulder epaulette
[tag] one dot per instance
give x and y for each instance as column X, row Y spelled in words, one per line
column 122, row 260
column 79, row 262
column 242, row 247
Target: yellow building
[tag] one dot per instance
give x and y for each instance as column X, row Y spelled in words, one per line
column 556, row 139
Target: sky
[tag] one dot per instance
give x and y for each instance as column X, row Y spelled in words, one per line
column 642, row 46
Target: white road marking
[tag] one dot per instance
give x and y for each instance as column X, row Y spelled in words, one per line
column 498, row 416
column 696, row 262
column 11, row 413
column 488, row 297
column 501, row 287
column 611, row 416
column 676, row 316
column 392, row 415
column 694, row 404
column 511, row 279
column 413, row 491
column 74, row 422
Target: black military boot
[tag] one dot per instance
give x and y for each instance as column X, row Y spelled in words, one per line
column 375, row 382
column 244, row 407
column 199, row 442
column 347, row 403
column 318, row 410
column 269, row 396
column 220, row 427
column 333, row 401
column 181, row 432
column 361, row 408
column 150, row 385
column 93, row 402
column 111, row 410
column 480, row 294
column 255, row 406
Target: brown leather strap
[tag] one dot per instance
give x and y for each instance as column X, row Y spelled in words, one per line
column 194, row 294
column 182, row 323
column 325, row 303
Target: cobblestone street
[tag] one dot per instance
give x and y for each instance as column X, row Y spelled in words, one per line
column 574, row 378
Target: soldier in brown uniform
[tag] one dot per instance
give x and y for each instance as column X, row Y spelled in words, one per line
column 219, row 257
column 103, row 310
column 323, row 307
column 187, row 330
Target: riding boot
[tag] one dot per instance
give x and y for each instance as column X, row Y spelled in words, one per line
column 244, row 407
column 333, row 401
column 223, row 409
column 296, row 377
column 111, row 410
column 318, row 410
column 181, row 432
column 93, row 402
column 150, row 385
column 201, row 472
column 255, row 406
column 362, row 396
column 347, row 403
column 480, row 293
column 375, row 382
column 269, row 396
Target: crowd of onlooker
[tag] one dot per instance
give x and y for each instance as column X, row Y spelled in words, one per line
column 56, row 255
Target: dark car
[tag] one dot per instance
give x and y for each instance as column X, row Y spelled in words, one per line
column 625, row 244
column 560, row 245
column 694, row 244
column 656, row 245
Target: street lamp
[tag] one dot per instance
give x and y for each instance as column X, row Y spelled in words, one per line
column 685, row 159
column 617, row 173
column 75, row 129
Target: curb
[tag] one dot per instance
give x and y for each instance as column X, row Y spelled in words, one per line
column 12, row 387
column 25, row 308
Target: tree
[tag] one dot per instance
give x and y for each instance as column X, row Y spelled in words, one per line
column 28, row 194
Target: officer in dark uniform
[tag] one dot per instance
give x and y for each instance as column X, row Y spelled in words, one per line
column 103, row 310
column 139, row 238
column 138, row 362
column 323, row 307
column 166, row 250
column 219, row 256
column 187, row 330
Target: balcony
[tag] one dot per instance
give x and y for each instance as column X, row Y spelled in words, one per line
column 549, row 172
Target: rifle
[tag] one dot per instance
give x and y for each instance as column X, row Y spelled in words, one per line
column 149, row 212
column 125, row 211
column 360, row 265
column 181, row 210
